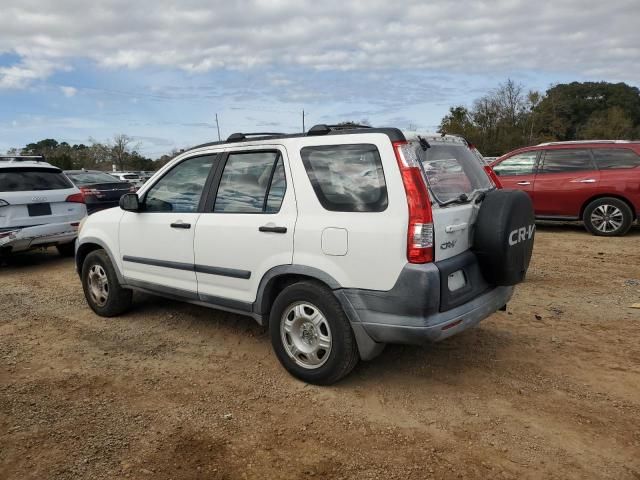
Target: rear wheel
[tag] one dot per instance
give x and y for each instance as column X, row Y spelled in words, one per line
column 101, row 287
column 66, row 249
column 311, row 334
column 608, row 217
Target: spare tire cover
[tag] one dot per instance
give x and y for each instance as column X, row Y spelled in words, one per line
column 503, row 236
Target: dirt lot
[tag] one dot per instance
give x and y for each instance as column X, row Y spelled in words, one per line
column 550, row 389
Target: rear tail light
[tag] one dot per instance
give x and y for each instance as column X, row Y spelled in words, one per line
column 492, row 176
column 75, row 198
column 89, row 191
column 420, row 232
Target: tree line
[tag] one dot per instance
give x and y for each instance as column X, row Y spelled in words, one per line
column 121, row 151
column 510, row 116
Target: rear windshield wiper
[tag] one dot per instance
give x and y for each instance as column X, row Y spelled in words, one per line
column 462, row 198
column 477, row 194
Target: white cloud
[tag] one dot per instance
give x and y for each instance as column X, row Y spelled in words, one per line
column 587, row 37
column 25, row 72
column 69, row 91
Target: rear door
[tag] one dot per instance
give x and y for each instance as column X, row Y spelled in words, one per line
column 619, row 172
column 455, row 179
column 566, row 179
column 247, row 226
column 518, row 171
column 36, row 196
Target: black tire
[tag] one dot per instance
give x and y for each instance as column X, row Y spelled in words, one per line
column 66, row 249
column 504, row 235
column 343, row 354
column 618, row 213
column 118, row 299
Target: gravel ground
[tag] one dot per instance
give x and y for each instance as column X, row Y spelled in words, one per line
column 549, row 389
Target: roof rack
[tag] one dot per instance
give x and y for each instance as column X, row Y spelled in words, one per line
column 22, row 158
column 578, row 142
column 322, row 129
column 238, row 137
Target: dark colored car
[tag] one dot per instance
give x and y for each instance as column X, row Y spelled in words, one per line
column 100, row 190
column 595, row 181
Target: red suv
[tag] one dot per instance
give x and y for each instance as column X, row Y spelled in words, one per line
column 595, row 181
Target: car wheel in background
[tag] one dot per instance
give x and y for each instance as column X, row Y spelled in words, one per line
column 311, row 334
column 607, row 217
column 66, row 249
column 101, row 287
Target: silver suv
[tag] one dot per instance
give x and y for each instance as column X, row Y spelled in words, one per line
column 39, row 206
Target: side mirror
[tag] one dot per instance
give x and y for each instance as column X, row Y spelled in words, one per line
column 130, row 202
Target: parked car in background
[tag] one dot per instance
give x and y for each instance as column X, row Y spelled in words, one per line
column 596, row 181
column 100, row 189
column 131, row 177
column 39, row 206
column 145, row 175
column 339, row 239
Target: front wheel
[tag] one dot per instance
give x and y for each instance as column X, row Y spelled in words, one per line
column 608, row 217
column 101, row 287
column 311, row 334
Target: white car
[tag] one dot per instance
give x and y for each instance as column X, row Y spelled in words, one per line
column 340, row 240
column 130, row 177
column 39, row 206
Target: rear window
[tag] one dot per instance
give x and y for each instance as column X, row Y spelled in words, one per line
column 87, row 178
column 607, row 158
column 131, row 177
column 347, row 178
column 452, row 170
column 566, row 160
column 30, row 179
column 252, row 182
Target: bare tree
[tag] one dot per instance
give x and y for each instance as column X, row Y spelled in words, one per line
column 121, row 149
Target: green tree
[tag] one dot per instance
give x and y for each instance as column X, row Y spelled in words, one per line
column 611, row 124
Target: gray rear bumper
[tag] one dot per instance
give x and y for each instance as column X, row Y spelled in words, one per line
column 417, row 310
column 421, row 330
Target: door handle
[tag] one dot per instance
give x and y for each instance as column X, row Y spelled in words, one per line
column 181, row 224
column 267, row 228
column 523, row 183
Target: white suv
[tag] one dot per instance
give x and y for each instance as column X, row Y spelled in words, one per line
column 340, row 240
column 39, row 206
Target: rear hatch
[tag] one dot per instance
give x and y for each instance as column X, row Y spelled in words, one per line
column 99, row 186
column 107, row 192
column 36, row 195
column 457, row 183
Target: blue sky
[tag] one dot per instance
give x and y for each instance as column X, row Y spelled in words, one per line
column 162, row 77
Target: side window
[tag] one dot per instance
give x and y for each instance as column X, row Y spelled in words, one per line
column 347, row 178
column 181, row 188
column 252, row 182
column 608, row 158
column 566, row 160
column 520, row 164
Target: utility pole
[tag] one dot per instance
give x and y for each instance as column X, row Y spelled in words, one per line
column 218, row 126
column 303, row 120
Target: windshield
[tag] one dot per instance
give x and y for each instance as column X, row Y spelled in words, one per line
column 86, row 178
column 453, row 171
